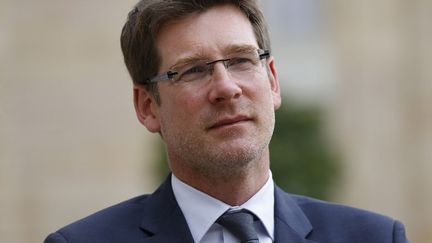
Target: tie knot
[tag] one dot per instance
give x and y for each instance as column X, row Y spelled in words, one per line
column 240, row 224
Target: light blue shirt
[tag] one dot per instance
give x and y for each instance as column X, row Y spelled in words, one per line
column 201, row 211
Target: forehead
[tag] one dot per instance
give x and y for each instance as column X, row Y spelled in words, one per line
column 213, row 32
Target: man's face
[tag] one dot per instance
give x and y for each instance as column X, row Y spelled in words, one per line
column 222, row 124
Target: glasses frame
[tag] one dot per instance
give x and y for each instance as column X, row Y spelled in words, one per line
column 262, row 54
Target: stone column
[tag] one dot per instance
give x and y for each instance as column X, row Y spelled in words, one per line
column 70, row 143
column 382, row 114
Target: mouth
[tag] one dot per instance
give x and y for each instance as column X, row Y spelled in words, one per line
column 229, row 121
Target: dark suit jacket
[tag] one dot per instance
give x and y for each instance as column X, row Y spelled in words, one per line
column 157, row 218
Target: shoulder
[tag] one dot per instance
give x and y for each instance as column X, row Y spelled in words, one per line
column 319, row 210
column 122, row 222
column 106, row 223
column 332, row 220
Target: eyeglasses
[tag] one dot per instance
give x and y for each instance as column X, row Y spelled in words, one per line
column 238, row 65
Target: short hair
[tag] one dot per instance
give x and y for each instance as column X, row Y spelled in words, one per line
column 138, row 37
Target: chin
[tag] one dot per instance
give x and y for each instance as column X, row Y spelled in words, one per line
column 235, row 155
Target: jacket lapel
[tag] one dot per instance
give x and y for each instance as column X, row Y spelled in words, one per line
column 163, row 219
column 165, row 223
column 291, row 224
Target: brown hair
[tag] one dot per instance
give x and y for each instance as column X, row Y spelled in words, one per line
column 138, row 37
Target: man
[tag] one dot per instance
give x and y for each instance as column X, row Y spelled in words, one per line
column 205, row 81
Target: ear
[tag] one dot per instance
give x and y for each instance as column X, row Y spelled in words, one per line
column 146, row 108
column 274, row 83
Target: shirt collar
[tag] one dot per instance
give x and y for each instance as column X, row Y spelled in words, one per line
column 262, row 205
column 201, row 210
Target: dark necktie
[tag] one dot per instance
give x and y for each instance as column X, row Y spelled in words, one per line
column 240, row 224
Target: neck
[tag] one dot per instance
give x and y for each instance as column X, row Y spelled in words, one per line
column 234, row 189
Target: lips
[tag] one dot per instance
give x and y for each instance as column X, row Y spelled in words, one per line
column 229, row 121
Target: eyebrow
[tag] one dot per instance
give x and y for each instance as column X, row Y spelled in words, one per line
column 239, row 49
column 188, row 59
column 227, row 51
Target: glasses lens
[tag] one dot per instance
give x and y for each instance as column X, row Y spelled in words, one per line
column 192, row 72
column 238, row 65
column 243, row 62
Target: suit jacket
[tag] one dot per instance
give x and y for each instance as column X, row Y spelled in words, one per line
column 157, row 218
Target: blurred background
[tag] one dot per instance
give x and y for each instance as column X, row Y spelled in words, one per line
column 355, row 127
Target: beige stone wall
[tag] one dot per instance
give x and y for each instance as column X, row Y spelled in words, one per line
column 383, row 108
column 70, row 143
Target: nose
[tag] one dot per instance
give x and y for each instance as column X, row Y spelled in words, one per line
column 223, row 87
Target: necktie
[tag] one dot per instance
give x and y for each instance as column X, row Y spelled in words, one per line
column 240, row 224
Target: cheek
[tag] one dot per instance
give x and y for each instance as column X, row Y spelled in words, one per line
column 188, row 100
column 181, row 109
column 259, row 90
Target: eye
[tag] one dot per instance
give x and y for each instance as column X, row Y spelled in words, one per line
column 193, row 73
column 241, row 63
column 240, row 60
column 195, row 69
